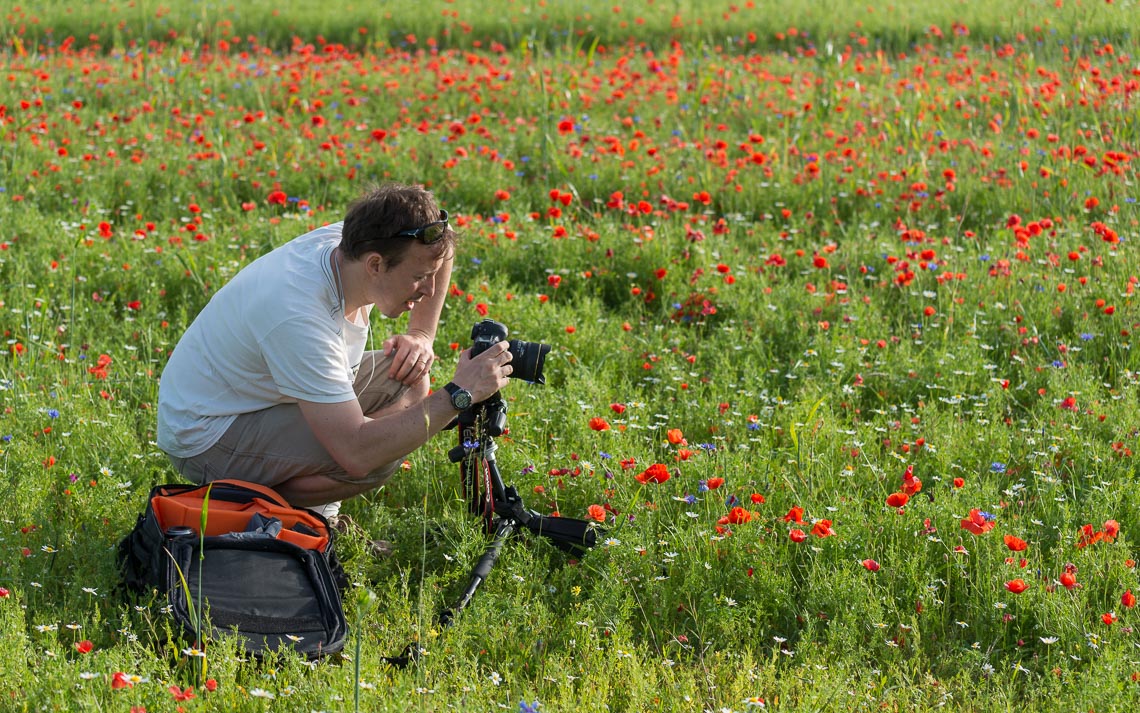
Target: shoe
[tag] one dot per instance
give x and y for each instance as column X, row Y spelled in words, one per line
column 380, row 549
column 343, row 524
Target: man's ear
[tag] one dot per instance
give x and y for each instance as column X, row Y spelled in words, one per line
column 375, row 264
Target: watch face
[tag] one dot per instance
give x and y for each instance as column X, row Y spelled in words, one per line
column 461, row 399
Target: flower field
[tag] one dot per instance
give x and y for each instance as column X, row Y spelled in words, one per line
column 841, row 302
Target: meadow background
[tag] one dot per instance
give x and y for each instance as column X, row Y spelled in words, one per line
column 859, row 276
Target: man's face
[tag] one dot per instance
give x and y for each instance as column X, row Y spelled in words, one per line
column 399, row 289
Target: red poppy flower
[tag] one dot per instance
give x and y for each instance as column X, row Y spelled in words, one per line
column 757, row 498
column 1015, row 543
column 1017, row 586
column 120, row 680
column 714, row 483
column 1128, row 599
column 822, row 528
column 656, row 473
column 276, row 198
column 84, row 647
column 619, row 409
column 100, row 368
column 1109, row 618
column 181, row 695
column 1111, row 529
column 911, row 484
column 599, row 424
column 797, row 535
column 597, row 512
column 1068, row 580
column 736, row 516
column 675, row 436
column 897, row 500
column 871, row 565
column 796, row 514
column 1089, row 536
column 977, row 524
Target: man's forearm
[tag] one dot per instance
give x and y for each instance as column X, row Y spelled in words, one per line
column 391, row 436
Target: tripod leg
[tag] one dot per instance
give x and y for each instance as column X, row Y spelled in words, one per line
column 482, row 568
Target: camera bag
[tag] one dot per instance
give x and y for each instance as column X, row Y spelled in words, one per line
column 235, row 558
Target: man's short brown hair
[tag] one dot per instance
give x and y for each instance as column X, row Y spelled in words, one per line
column 373, row 220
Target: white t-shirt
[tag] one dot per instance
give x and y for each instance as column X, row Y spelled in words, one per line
column 274, row 334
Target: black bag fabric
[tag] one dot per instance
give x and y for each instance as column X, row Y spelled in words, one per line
column 269, row 575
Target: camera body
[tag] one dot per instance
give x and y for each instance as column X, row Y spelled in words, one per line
column 527, row 358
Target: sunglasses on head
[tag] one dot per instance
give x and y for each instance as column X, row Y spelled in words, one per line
column 427, row 234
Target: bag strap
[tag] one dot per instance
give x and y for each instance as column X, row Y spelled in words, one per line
column 269, row 493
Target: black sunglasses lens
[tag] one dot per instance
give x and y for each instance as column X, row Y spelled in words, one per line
column 430, row 233
column 433, row 233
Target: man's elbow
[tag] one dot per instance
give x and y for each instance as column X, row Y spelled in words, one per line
column 355, row 469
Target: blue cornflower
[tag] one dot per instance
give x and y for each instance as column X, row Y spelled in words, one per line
column 53, row 413
column 1085, row 336
column 753, row 426
column 997, row 467
column 604, row 455
column 692, row 499
column 7, row 437
column 703, row 487
column 1057, row 364
column 525, row 707
column 987, row 515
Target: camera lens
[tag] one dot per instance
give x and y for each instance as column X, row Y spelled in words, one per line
column 527, row 359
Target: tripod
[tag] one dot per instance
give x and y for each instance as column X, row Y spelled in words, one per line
column 499, row 506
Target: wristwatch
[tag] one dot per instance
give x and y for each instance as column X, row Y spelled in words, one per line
column 460, row 397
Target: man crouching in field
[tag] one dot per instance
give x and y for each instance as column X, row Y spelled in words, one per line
column 273, row 382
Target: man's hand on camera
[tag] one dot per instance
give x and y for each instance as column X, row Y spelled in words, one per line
column 412, row 356
column 486, row 373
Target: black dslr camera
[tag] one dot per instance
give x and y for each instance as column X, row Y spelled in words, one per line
column 527, row 358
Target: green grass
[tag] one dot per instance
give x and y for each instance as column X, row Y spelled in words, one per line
column 801, row 255
column 554, row 24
